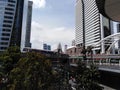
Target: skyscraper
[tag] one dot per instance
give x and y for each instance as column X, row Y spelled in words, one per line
column 46, row 47
column 7, row 19
column 118, row 31
column 17, row 24
column 79, row 23
column 91, row 22
column 12, row 23
column 28, row 26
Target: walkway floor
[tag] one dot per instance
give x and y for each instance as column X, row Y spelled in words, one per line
column 107, row 88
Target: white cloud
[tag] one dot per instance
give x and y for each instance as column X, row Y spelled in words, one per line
column 53, row 36
column 39, row 3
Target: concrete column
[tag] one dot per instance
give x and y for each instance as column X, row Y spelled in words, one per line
column 102, row 35
column 100, row 62
column 119, row 62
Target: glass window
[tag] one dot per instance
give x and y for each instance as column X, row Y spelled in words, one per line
column 11, row 9
column 10, row 13
column 7, row 30
column 4, row 43
column 11, row 1
column 11, row 5
column 3, row 48
column 4, row 25
column 8, row 17
column 5, row 34
column 4, row 38
column 7, row 21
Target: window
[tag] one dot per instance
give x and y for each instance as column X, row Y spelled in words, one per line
column 7, row 30
column 3, row 48
column 5, row 34
column 4, row 25
column 11, row 5
column 75, row 50
column 8, row 17
column 10, row 13
column 7, row 21
column 11, row 1
column 4, row 43
column 5, row 39
column 10, row 9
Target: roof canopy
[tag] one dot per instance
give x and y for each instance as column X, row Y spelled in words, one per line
column 109, row 8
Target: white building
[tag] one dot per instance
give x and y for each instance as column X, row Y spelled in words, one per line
column 95, row 27
column 13, row 16
column 7, row 16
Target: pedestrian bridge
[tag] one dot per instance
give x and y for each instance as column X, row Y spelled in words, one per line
column 104, row 64
column 109, row 72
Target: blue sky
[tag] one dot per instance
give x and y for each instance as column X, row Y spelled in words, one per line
column 53, row 22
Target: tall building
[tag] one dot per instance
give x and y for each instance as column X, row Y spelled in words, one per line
column 79, row 23
column 118, row 31
column 13, row 14
column 73, row 43
column 106, row 30
column 17, row 25
column 90, row 22
column 46, row 47
column 7, row 19
column 28, row 26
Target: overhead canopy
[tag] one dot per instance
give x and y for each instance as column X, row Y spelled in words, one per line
column 109, row 8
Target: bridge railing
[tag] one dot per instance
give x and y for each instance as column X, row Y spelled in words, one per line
column 106, row 62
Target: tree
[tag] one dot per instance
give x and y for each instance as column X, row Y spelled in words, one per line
column 32, row 72
column 87, row 78
column 89, row 51
column 9, row 58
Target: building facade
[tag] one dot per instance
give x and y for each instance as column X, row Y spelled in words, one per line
column 87, row 12
column 79, row 23
column 92, row 23
column 118, row 31
column 28, row 26
column 46, row 47
column 7, row 19
column 13, row 14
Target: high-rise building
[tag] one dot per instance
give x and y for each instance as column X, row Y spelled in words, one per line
column 46, row 47
column 73, row 43
column 7, row 17
column 13, row 14
column 28, row 26
column 118, row 31
column 90, row 22
column 16, row 31
column 79, row 23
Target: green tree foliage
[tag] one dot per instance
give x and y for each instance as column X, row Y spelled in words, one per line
column 87, row 77
column 9, row 58
column 32, row 72
column 89, row 49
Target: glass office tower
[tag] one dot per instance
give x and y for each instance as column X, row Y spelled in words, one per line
column 7, row 20
column 28, row 25
column 13, row 16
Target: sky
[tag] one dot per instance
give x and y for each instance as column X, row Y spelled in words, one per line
column 53, row 22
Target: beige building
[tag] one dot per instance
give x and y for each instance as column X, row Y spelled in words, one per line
column 75, row 54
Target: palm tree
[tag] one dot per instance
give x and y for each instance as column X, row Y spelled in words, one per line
column 89, row 51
